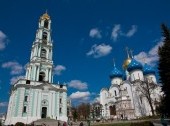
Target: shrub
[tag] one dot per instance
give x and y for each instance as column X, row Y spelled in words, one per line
column 19, row 124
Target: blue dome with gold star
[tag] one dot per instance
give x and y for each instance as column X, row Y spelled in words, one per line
column 134, row 65
column 116, row 73
column 147, row 69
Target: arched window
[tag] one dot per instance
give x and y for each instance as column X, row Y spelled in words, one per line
column 115, row 93
column 41, row 76
column 43, row 53
column 44, row 37
column 46, row 23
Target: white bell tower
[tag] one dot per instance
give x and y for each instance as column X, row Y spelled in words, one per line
column 41, row 64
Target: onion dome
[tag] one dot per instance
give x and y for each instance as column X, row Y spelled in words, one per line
column 134, row 65
column 126, row 63
column 147, row 69
column 116, row 73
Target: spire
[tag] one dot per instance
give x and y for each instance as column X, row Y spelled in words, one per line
column 131, row 53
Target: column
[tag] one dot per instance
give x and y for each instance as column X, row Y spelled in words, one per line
column 50, row 75
column 38, row 72
column 39, row 52
column 47, row 79
column 26, row 76
column 34, row 72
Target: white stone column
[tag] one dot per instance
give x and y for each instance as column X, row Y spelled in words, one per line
column 38, row 72
column 36, row 50
column 39, row 52
column 26, row 75
column 34, row 73
column 50, row 75
column 47, row 79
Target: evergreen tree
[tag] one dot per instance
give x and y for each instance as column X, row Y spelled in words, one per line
column 164, row 69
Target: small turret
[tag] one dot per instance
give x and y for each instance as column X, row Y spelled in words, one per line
column 116, row 76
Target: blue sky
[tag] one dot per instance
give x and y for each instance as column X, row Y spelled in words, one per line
column 87, row 35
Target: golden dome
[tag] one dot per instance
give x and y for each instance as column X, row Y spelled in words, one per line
column 45, row 16
column 126, row 63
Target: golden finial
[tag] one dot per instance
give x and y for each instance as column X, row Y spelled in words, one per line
column 45, row 16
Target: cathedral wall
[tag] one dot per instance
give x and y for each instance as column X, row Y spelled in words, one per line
column 136, row 75
column 116, row 80
column 151, row 77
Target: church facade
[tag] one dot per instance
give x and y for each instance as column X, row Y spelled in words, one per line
column 36, row 96
column 128, row 94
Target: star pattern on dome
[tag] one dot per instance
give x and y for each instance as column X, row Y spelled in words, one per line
column 147, row 69
column 115, row 73
column 134, row 65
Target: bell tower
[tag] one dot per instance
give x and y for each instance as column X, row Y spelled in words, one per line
column 41, row 64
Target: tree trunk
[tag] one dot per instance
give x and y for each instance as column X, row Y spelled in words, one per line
column 150, row 103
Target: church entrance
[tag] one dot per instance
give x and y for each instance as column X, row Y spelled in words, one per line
column 112, row 110
column 44, row 112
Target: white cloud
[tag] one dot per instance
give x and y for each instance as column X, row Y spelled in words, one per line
column 15, row 67
column 77, row 84
column 99, row 50
column 3, row 38
column 15, row 79
column 59, row 69
column 3, row 104
column 81, row 96
column 132, row 31
column 149, row 57
column 95, row 33
column 115, row 32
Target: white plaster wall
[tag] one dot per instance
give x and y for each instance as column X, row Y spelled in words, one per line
column 103, row 96
column 136, row 74
column 116, row 80
column 151, row 77
column 112, row 91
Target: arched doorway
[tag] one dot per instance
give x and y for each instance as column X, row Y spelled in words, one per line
column 41, row 76
column 112, row 110
column 44, row 112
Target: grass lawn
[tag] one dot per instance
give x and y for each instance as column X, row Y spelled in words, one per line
column 145, row 123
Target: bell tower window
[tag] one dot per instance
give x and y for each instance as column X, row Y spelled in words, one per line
column 43, row 53
column 46, row 24
column 41, row 76
column 44, row 37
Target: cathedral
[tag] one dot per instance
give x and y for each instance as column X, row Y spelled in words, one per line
column 37, row 96
column 131, row 95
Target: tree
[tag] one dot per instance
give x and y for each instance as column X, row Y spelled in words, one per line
column 164, row 69
column 146, row 88
column 75, row 114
